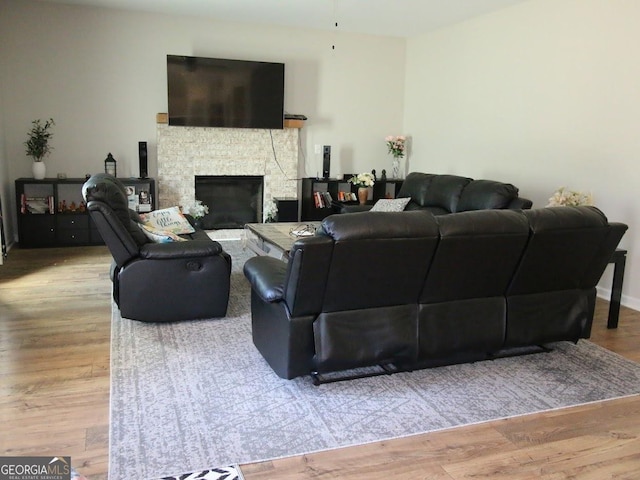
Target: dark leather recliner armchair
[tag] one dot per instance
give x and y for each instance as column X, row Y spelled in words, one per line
column 157, row 282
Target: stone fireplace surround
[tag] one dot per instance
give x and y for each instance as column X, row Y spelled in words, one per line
column 184, row 152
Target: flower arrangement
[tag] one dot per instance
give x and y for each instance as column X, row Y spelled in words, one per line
column 270, row 211
column 570, row 198
column 362, row 180
column 396, row 145
column 197, row 210
column 38, row 140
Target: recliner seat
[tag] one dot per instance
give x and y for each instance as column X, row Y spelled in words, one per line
column 157, row 282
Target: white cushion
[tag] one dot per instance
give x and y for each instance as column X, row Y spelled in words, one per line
column 167, row 220
column 390, row 205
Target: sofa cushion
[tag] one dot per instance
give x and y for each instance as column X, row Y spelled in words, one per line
column 486, row 195
column 390, row 205
column 445, row 191
column 412, row 206
column 429, row 190
column 415, row 186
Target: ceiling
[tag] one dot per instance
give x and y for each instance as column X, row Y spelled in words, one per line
column 403, row 18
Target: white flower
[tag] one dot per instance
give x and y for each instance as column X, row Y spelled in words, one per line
column 270, row 210
column 197, row 210
column 569, row 198
column 363, row 180
column 395, row 144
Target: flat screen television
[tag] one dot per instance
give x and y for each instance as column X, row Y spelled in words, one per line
column 216, row 92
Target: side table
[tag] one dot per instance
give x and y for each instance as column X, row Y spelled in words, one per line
column 619, row 258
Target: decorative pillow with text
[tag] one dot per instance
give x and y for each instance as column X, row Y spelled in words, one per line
column 168, row 220
column 390, row 205
column 160, row 236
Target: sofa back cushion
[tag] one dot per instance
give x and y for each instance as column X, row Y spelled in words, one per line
column 306, row 275
column 477, row 255
column 485, row 195
column 379, row 259
column 548, row 299
column 415, row 186
column 108, row 205
column 428, row 190
column 563, row 243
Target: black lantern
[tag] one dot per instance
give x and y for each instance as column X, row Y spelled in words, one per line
column 110, row 165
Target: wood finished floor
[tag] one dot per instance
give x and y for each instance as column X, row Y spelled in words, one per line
column 54, row 349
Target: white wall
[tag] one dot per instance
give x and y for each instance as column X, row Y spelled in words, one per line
column 543, row 94
column 101, row 74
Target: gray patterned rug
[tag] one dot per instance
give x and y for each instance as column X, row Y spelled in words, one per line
column 195, row 395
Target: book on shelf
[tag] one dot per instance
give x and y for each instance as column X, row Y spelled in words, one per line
column 36, row 205
column 322, row 199
column 346, row 196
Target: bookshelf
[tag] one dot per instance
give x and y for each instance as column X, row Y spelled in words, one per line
column 52, row 212
column 319, row 195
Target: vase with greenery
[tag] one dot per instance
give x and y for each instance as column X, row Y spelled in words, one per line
column 37, row 145
column 363, row 181
column 396, row 146
column 197, row 210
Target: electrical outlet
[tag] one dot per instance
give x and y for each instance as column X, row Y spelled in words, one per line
column 317, row 149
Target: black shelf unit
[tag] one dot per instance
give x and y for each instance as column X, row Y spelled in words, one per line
column 387, row 188
column 51, row 214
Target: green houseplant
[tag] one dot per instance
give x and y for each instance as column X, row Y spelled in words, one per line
column 37, row 145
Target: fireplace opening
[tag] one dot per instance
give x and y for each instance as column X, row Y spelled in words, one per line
column 232, row 200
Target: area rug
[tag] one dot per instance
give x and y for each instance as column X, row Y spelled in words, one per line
column 190, row 396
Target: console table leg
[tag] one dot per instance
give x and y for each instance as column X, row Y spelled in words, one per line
column 619, row 259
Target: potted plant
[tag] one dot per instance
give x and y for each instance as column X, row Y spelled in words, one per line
column 37, row 145
column 362, row 182
column 396, row 146
column 197, row 210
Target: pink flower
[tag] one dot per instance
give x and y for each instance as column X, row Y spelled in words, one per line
column 395, row 144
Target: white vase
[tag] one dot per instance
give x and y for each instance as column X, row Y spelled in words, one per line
column 396, row 167
column 39, row 170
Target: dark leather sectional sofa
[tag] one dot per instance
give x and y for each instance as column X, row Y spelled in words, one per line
column 443, row 194
column 410, row 289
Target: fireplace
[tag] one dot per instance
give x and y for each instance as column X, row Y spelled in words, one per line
column 233, row 200
column 187, row 152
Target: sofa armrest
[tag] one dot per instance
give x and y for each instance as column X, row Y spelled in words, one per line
column 520, row 203
column 191, row 248
column 266, row 276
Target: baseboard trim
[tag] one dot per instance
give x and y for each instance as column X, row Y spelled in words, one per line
column 625, row 301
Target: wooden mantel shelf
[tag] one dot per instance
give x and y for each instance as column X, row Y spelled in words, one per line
column 288, row 123
column 292, row 123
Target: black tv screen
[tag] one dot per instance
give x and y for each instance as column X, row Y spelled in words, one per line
column 215, row 92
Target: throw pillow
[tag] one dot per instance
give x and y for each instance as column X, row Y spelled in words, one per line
column 390, row 205
column 168, row 219
column 159, row 235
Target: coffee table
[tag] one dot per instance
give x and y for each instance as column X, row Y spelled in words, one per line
column 276, row 239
